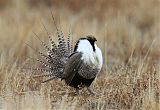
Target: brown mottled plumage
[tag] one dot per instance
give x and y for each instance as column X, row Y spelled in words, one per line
column 78, row 68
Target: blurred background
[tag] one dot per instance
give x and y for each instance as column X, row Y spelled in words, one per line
column 128, row 32
column 126, row 27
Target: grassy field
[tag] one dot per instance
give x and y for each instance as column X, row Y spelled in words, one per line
column 128, row 32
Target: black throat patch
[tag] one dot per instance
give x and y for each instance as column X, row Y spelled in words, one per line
column 92, row 40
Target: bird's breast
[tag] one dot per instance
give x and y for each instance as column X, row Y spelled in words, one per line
column 90, row 59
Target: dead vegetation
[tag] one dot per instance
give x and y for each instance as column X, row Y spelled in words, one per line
column 127, row 32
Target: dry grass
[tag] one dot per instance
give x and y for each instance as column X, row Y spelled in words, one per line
column 127, row 33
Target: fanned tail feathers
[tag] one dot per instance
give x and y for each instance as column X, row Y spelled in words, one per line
column 56, row 57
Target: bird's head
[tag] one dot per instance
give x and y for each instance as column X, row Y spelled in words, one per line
column 91, row 38
column 92, row 41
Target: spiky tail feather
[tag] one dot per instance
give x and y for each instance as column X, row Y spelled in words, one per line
column 56, row 57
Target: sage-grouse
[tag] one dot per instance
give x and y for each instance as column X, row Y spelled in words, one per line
column 77, row 66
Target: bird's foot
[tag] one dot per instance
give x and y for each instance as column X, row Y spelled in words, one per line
column 92, row 92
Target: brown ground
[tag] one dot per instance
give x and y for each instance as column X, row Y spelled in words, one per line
column 128, row 33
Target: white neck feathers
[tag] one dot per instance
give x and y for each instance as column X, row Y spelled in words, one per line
column 90, row 56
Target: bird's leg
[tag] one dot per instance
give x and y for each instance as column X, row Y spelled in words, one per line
column 77, row 91
column 90, row 90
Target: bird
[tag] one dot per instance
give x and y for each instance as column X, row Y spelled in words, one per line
column 83, row 64
column 78, row 65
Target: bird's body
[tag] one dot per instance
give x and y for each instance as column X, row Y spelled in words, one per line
column 78, row 67
column 84, row 63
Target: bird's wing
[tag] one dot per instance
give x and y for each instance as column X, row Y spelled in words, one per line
column 88, row 71
column 72, row 66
